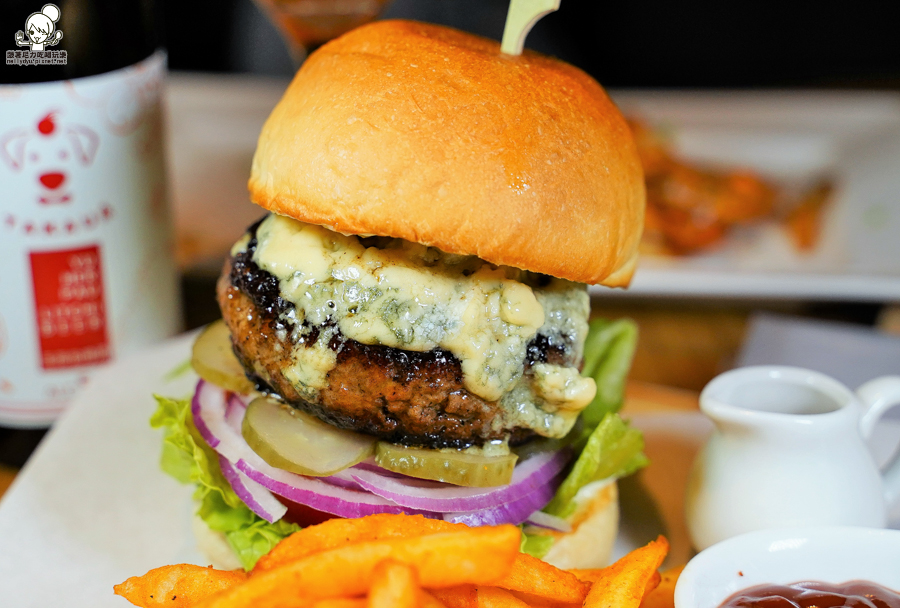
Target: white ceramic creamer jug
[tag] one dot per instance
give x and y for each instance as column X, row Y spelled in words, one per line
column 788, row 449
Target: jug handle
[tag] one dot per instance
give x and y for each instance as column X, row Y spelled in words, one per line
column 877, row 397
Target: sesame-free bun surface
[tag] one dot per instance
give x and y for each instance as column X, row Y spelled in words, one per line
column 428, row 134
column 595, row 524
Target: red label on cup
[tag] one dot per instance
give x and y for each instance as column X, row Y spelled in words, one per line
column 68, row 300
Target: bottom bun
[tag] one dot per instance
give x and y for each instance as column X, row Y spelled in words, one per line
column 214, row 546
column 595, row 524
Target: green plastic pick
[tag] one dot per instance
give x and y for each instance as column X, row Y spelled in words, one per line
column 522, row 16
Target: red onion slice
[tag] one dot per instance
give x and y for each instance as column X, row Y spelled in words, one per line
column 343, row 479
column 515, row 512
column 320, row 495
column 256, row 497
column 209, row 408
column 239, row 400
column 551, row 522
column 365, row 489
column 528, row 476
column 235, row 409
column 209, row 400
column 369, row 465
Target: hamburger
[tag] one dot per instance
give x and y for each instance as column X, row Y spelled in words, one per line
column 407, row 330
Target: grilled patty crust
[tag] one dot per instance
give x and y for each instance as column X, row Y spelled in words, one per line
column 401, row 396
column 407, row 397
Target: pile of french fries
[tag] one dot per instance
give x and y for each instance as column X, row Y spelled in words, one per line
column 401, row 561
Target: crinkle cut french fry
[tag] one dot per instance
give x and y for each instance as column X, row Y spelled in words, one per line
column 341, row 602
column 543, row 581
column 494, row 597
column 467, row 556
column 178, row 586
column 664, row 595
column 587, row 575
column 463, row 596
column 624, row 584
column 652, row 583
column 594, row 574
column 426, row 600
column 339, row 532
column 393, row 586
column 540, row 602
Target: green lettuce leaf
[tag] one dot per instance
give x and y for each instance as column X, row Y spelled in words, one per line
column 609, row 447
column 613, row 450
column 608, row 351
column 187, row 458
column 535, row 545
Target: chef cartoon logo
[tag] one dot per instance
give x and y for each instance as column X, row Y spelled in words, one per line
column 41, row 29
column 39, row 34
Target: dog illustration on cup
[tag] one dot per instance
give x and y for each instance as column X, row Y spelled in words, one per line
column 52, row 151
column 40, row 29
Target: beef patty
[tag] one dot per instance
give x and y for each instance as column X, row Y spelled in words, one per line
column 407, row 397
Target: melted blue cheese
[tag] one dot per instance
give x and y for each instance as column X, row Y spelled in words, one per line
column 409, row 296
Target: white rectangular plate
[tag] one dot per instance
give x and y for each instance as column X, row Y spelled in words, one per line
column 214, row 122
column 791, row 137
column 92, row 507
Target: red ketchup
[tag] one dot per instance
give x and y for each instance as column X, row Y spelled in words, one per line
column 853, row 594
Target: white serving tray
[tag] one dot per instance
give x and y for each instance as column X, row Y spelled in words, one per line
column 214, row 122
column 92, row 507
column 794, row 138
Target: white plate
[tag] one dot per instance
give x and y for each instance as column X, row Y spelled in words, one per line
column 794, row 138
column 214, row 122
column 92, row 508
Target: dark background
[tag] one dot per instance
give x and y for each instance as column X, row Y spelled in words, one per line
column 635, row 43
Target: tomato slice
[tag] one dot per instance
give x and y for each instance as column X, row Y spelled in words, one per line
column 303, row 515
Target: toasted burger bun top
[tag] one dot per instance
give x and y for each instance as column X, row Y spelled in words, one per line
column 428, row 134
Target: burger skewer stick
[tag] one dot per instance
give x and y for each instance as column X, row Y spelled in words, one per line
column 522, row 16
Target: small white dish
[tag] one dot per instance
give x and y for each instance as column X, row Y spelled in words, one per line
column 789, row 555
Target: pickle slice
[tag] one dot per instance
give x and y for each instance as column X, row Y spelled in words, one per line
column 457, row 467
column 289, row 439
column 214, row 361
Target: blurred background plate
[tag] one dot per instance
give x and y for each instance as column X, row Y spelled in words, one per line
column 793, row 139
column 213, row 123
